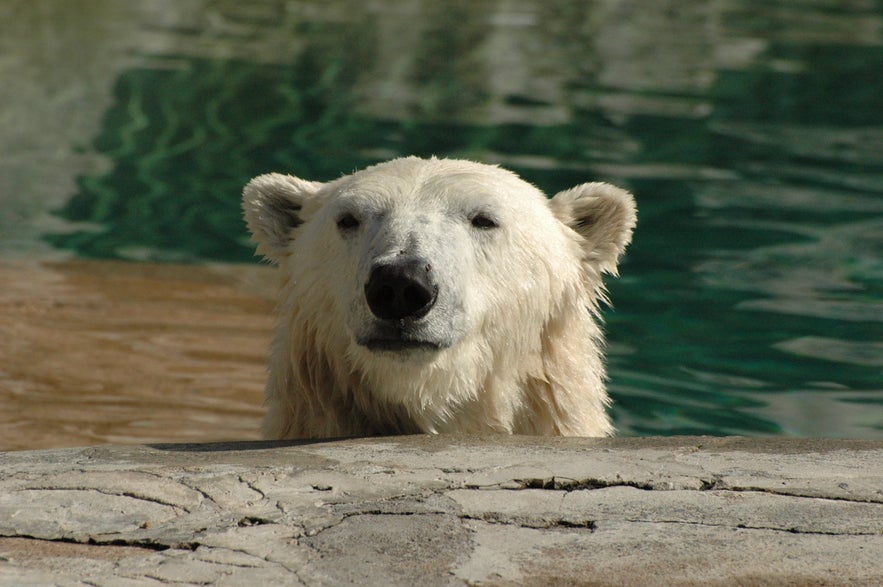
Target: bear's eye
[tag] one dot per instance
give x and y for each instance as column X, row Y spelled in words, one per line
column 347, row 221
column 484, row 221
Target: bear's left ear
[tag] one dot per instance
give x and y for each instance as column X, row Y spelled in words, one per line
column 603, row 215
column 272, row 206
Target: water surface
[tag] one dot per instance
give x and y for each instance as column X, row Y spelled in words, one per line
column 751, row 133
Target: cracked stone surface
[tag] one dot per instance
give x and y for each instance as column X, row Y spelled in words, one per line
column 446, row 510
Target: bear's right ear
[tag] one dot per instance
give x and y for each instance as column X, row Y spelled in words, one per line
column 272, row 205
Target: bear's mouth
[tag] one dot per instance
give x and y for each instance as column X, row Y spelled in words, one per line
column 399, row 336
column 397, row 345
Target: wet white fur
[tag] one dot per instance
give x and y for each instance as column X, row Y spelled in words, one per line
column 517, row 304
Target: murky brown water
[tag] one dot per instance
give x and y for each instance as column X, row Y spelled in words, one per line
column 95, row 352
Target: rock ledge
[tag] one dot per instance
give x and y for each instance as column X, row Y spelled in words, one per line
column 446, row 510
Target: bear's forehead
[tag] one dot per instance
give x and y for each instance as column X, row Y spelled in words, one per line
column 430, row 182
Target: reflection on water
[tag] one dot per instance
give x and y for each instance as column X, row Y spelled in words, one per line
column 98, row 351
column 751, row 133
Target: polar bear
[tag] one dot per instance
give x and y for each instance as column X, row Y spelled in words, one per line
column 437, row 295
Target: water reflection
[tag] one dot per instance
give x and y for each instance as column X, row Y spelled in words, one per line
column 98, row 351
column 751, row 133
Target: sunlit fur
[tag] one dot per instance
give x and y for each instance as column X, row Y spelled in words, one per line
column 517, row 311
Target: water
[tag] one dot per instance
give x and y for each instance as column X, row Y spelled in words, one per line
column 751, row 133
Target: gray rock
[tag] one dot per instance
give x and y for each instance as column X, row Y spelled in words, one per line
column 446, row 510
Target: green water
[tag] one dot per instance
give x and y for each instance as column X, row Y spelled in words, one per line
column 751, row 301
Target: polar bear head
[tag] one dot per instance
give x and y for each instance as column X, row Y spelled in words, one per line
column 437, row 295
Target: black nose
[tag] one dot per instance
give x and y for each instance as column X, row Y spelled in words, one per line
column 403, row 289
